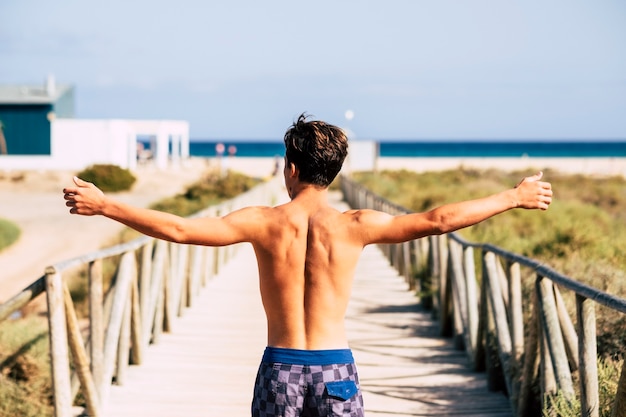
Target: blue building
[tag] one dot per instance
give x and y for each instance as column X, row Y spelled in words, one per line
column 26, row 114
column 38, row 130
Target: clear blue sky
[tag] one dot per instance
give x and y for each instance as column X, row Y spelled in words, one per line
column 407, row 68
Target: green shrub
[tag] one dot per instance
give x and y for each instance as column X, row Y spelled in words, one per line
column 582, row 235
column 109, row 178
column 558, row 405
column 25, row 386
column 9, row 233
column 210, row 190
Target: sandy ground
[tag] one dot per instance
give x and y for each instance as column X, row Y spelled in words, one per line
column 585, row 166
column 34, row 201
column 50, row 234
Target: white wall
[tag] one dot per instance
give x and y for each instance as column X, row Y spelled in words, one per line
column 362, row 155
column 78, row 143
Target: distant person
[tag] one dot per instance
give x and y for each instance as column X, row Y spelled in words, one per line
column 307, row 253
column 276, row 169
column 220, row 148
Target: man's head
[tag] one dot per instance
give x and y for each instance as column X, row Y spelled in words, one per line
column 317, row 149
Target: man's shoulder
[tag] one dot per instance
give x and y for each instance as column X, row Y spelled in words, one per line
column 364, row 216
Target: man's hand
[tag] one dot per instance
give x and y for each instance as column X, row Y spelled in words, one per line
column 85, row 198
column 531, row 193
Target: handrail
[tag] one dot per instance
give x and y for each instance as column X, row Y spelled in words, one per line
column 153, row 283
column 441, row 269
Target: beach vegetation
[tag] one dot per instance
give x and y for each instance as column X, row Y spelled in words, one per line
column 561, row 405
column 9, row 233
column 582, row 235
column 108, row 177
column 211, row 189
column 25, row 385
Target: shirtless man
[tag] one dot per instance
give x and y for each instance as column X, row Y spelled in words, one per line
column 307, row 253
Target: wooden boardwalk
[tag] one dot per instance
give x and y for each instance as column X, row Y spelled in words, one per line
column 207, row 365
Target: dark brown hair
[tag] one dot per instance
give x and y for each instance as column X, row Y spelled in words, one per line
column 317, row 148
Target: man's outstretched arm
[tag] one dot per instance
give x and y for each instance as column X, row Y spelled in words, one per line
column 530, row 193
column 88, row 200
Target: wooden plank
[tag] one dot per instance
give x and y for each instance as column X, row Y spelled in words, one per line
column 208, row 365
column 405, row 368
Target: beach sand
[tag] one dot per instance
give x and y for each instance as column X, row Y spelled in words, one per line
column 584, row 166
column 262, row 167
column 34, row 201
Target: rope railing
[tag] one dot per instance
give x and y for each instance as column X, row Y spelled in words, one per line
column 486, row 318
column 154, row 281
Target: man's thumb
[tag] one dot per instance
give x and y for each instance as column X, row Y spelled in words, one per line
column 536, row 177
column 80, row 182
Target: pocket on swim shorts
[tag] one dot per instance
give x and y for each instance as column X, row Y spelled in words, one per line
column 343, row 390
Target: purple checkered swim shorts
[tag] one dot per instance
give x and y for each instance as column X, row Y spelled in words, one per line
column 315, row 383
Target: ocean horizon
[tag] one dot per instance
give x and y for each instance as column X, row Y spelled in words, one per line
column 435, row 148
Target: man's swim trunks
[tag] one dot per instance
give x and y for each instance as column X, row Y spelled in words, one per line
column 316, row 383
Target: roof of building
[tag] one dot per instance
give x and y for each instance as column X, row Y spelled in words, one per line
column 32, row 94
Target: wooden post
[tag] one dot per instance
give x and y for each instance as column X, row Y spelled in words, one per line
column 123, row 344
column 480, row 355
column 619, row 406
column 59, row 357
column 412, row 265
column 569, row 332
column 442, row 252
column 554, row 338
column 548, row 380
column 530, row 361
column 136, row 325
column 504, row 283
column 459, row 292
column 156, row 293
column 205, row 271
column 406, row 264
column 445, row 309
column 81, row 362
column 499, row 315
column 96, row 321
column 472, row 299
column 428, row 299
column 195, row 275
column 587, row 352
column 145, row 288
column 516, row 312
column 159, row 317
column 122, row 289
column 494, row 374
column 168, row 313
column 171, row 309
column 182, row 286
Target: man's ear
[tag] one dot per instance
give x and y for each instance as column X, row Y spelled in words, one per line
column 294, row 172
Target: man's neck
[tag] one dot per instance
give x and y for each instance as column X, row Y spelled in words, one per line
column 309, row 192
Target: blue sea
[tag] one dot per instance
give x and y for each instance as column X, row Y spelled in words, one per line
column 451, row 148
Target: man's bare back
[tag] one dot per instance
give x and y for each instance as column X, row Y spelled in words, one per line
column 306, row 264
